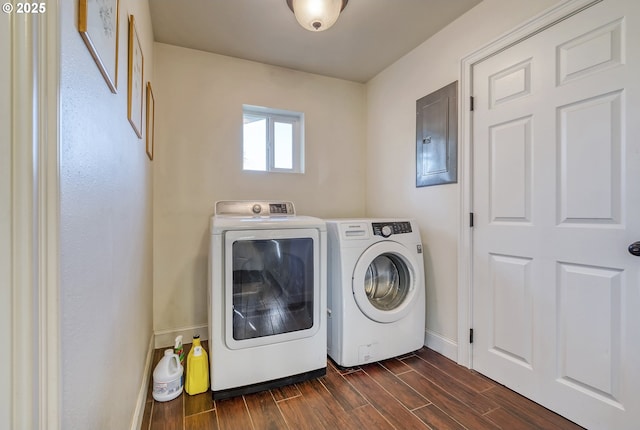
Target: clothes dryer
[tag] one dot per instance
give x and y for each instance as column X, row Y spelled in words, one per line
column 376, row 292
column 267, row 297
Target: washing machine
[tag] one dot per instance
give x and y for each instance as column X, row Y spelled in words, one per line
column 267, row 297
column 376, row 290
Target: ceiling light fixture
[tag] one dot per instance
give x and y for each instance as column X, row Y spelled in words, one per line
column 316, row 15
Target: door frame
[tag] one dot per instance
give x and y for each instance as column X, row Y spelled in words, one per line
column 530, row 28
column 32, row 325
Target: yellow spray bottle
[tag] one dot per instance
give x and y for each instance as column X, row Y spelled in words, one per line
column 197, row 369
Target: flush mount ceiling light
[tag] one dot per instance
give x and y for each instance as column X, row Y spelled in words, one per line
column 316, row 15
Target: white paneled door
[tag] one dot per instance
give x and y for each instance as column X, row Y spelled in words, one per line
column 556, row 198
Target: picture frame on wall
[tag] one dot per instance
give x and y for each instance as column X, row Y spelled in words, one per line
column 151, row 107
column 98, row 27
column 135, row 79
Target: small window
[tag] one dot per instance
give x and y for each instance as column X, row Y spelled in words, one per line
column 272, row 140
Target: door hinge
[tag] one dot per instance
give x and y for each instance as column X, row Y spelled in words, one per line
column 470, row 335
column 471, row 101
column 470, row 219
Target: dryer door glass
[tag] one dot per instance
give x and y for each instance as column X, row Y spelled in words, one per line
column 273, row 287
column 387, row 282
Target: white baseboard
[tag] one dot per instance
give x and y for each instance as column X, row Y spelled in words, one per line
column 138, row 413
column 441, row 345
column 166, row 338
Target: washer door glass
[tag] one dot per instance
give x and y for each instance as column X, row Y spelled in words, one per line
column 386, row 281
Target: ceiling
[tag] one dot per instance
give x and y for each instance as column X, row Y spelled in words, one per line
column 368, row 36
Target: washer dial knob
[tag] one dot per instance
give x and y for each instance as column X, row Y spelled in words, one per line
column 256, row 209
column 386, row 231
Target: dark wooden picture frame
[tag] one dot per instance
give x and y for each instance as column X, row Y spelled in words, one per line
column 437, row 137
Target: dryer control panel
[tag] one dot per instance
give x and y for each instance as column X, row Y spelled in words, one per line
column 386, row 229
column 248, row 208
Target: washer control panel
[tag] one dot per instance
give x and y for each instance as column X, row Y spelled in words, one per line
column 386, row 229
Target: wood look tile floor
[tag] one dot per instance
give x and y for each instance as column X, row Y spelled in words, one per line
column 422, row 390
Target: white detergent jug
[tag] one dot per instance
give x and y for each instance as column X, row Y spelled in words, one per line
column 167, row 377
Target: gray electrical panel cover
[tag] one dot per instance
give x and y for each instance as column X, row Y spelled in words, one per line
column 437, row 137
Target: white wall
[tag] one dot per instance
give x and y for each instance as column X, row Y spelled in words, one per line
column 198, row 160
column 391, row 190
column 105, row 232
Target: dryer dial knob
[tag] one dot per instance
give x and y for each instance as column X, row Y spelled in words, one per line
column 386, row 231
column 256, row 209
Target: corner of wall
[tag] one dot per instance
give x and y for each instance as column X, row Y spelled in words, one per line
column 441, row 345
column 166, row 338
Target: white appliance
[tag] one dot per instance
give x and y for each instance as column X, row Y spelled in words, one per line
column 267, row 297
column 376, row 292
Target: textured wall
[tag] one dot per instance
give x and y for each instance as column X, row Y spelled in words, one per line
column 199, row 160
column 105, row 232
